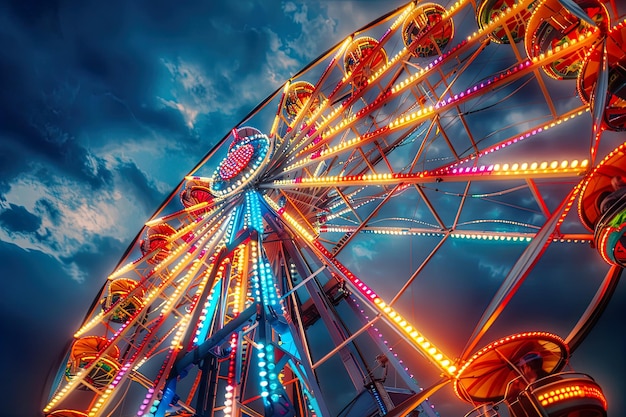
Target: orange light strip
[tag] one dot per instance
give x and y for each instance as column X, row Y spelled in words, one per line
column 150, row 296
column 394, row 318
column 186, row 210
column 411, row 334
column 522, row 170
column 69, row 386
column 293, row 222
column 578, row 390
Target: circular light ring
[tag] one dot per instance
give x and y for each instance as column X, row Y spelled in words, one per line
column 489, row 9
column 552, row 25
column 361, row 49
column 615, row 99
column 297, row 97
column 484, row 377
column 243, row 164
column 240, row 133
column 417, row 31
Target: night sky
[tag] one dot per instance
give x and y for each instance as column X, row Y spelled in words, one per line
column 105, row 106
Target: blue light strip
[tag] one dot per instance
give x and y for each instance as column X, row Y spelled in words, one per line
column 208, row 313
column 253, row 217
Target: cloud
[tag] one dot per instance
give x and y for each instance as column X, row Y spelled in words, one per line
column 19, row 220
column 61, row 217
column 364, row 249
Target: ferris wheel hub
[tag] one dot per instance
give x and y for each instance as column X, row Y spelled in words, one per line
column 246, row 160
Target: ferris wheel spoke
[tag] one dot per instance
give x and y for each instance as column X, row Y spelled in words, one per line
column 595, row 308
column 403, row 142
column 517, row 274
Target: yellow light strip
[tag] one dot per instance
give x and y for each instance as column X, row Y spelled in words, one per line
column 293, row 222
column 181, row 232
column 579, row 390
column 150, row 296
column 394, row 318
column 69, row 386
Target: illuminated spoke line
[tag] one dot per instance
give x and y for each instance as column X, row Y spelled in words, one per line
column 184, row 213
column 414, row 79
column 459, row 234
column 494, row 172
column 356, row 142
column 181, row 326
column 207, row 220
column 148, row 299
column 565, row 117
column 391, row 316
column 208, row 311
column 406, row 375
column 153, row 275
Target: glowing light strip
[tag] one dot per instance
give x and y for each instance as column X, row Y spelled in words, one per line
column 577, row 390
column 619, row 150
column 427, row 113
column 383, row 339
column 348, row 209
column 207, row 313
column 230, row 408
column 393, row 317
column 267, row 372
column 543, row 169
column 565, row 166
column 569, row 204
column 174, row 215
column 69, row 386
column 179, row 233
column 525, row 135
column 253, row 212
column 293, row 222
column 380, row 231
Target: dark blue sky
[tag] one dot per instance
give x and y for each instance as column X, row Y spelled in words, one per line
column 104, row 107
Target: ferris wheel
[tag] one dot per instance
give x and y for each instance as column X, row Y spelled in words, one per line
column 399, row 219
